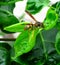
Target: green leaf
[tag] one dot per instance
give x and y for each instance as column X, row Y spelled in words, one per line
column 51, row 19
column 8, row 7
column 7, row 2
column 6, row 19
column 57, row 8
column 25, row 42
column 58, row 63
column 37, row 53
column 57, row 44
column 4, row 54
column 19, row 27
column 34, row 6
column 20, row 61
column 45, row 45
column 40, row 63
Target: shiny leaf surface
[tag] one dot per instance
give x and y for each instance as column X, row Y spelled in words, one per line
column 50, row 20
column 25, row 42
column 19, row 27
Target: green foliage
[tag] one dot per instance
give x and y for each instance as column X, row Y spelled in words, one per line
column 26, row 41
column 51, row 19
column 4, row 54
column 37, row 53
column 7, row 2
column 37, row 43
column 6, row 19
column 39, row 63
column 6, row 16
column 57, row 45
column 58, row 64
column 57, row 9
column 34, row 6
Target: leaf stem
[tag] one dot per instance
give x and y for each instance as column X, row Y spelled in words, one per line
column 5, row 11
column 7, row 39
column 49, row 41
column 43, row 43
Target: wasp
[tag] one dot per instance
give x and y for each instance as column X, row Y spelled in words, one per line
column 31, row 25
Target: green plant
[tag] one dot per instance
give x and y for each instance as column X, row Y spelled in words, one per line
column 37, row 44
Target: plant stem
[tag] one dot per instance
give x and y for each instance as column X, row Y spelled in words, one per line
column 43, row 43
column 49, row 41
column 7, row 39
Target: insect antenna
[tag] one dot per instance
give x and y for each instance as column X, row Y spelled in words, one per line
column 31, row 16
column 36, row 22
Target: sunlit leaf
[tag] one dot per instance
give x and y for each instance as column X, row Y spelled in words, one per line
column 50, row 20
column 19, row 27
column 25, row 42
column 57, row 8
column 37, row 53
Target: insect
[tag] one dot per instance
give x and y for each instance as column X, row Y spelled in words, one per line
column 22, row 26
column 36, row 24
